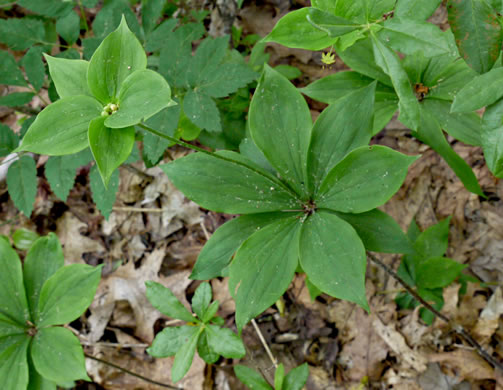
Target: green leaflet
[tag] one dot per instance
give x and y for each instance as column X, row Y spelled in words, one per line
column 202, row 111
column 21, row 34
column 69, row 27
column 170, row 340
column 22, row 184
column 334, row 26
column 201, row 299
column 251, row 378
column 296, row 378
column 166, row 302
column 69, row 76
column 34, row 67
column 416, row 9
column 225, row 342
column 8, row 140
column 104, row 197
column 10, row 73
column 436, row 272
column 184, row 357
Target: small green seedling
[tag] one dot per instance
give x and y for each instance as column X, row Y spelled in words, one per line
column 35, row 351
column 203, row 331
column 294, row 380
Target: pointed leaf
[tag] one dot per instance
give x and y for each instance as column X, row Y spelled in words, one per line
column 209, row 55
column 333, row 257
column 492, row 137
column 14, row 362
column 201, row 299
column 10, row 74
column 57, row 355
column 296, row 378
column 204, row 350
column 184, row 357
column 438, row 272
column 44, row 258
column 416, row 9
column 21, row 34
column 251, row 378
column 227, row 79
column 166, row 302
column 334, row 26
column 8, row 140
column 279, row 376
column 119, row 55
column 194, row 175
column 104, row 197
column 209, row 314
column 280, row 125
column 67, row 294
column 263, row 268
column 110, row 147
column 433, row 242
column 170, row 340
column 34, row 67
column 365, row 179
column 61, row 128
column 202, row 111
column 69, row 27
column 22, row 183
column 225, row 342
column 69, row 76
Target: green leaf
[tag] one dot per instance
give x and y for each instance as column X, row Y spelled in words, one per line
column 8, row 140
column 416, row 9
column 209, row 55
column 69, row 76
column 170, row 340
column 295, row 31
column 464, row 126
column 431, row 134
column 217, row 252
column 263, row 268
column 433, row 242
column 119, row 55
column 166, row 302
column 204, row 350
column 334, row 26
column 14, row 362
column 336, row 133
column 23, row 238
column 296, row 378
column 110, row 17
column 184, row 357
column 433, row 296
column 61, row 128
column 195, row 174
column 472, row 97
column 156, row 38
column 251, row 378
column 437, row 272
column 22, row 184
column 110, row 147
column 492, row 137
column 37, row 381
column 280, row 125
column 226, row 79
column 12, row 294
column 333, row 257
column 379, row 232
column 21, row 34
column 365, row 179
column 34, row 67
column 478, row 32
column 49, row 8
column 202, row 111
column 209, row 315
column 42, row 261
column 391, row 65
column 409, row 36
column 201, row 299
column 69, row 27
column 57, row 355
column 143, row 94
column 67, row 294
column 290, row 72
column 225, row 342
column 279, row 376
column 16, row 99
column 104, row 197
column 151, row 11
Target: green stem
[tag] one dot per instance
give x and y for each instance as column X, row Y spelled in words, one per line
column 83, row 15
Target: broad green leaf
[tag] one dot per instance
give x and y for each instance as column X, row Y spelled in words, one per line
column 416, row 9
column 57, row 355
column 104, row 197
column 23, row 238
column 196, row 173
column 12, row 294
column 251, row 378
column 492, row 137
column 22, row 184
column 9, row 326
column 44, row 258
column 49, row 8
column 279, row 376
column 433, row 242
column 391, row 65
column 478, row 32
column 119, row 55
column 409, row 36
column 69, row 27
column 69, row 76
column 166, row 302
column 209, row 55
column 201, row 299
column 37, row 381
column 184, row 357
column 379, row 232
column 155, row 39
column 333, row 257
column 110, row 147
column 472, row 96
column 67, row 294
column 217, row 252
column 431, row 134
column 170, row 340
column 21, row 34
column 248, row 149
column 61, row 128
column 226, row 79
column 8, row 140
column 437, row 272
column 296, row 378
column 336, row 133
column 280, row 125
column 294, row 30
column 202, row 111
column 365, row 179
column 143, row 94
column 34, row 67
column 263, row 268
column 204, row 350
column 464, row 126
column 225, row 342
column 334, row 26
column 14, row 362
column 16, row 99
column 151, row 11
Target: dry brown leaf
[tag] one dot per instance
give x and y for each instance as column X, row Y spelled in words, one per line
column 489, row 318
column 466, row 364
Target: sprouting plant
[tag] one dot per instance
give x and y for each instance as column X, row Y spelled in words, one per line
column 294, row 380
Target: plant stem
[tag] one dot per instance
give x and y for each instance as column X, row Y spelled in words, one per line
column 264, row 343
column 457, row 328
column 132, row 373
column 83, row 15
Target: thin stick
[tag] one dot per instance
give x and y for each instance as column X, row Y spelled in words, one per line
column 264, row 343
column 138, row 209
column 457, row 328
column 112, row 345
column 132, row 373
